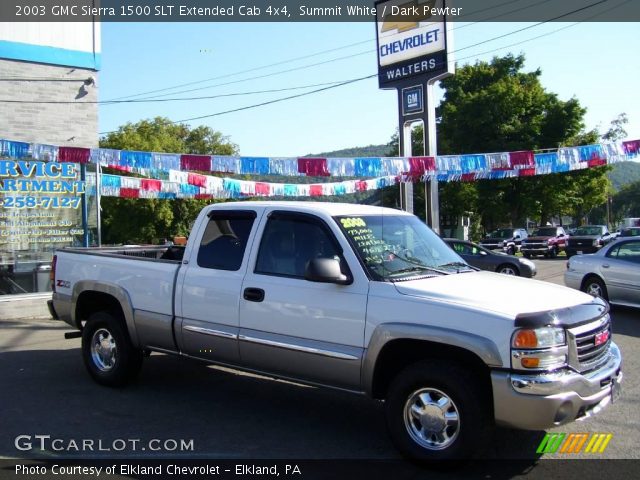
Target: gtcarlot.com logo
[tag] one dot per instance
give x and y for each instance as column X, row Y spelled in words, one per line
column 574, row 443
column 47, row 442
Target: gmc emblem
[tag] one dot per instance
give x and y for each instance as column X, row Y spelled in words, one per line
column 601, row 337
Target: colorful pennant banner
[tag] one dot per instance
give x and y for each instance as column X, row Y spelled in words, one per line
column 172, row 175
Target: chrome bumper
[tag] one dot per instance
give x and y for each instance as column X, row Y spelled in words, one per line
column 537, row 402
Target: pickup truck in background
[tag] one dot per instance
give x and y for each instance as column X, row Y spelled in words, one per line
column 358, row 298
column 506, row 239
column 547, row 241
column 588, row 239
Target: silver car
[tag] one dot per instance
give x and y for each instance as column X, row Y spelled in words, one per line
column 612, row 273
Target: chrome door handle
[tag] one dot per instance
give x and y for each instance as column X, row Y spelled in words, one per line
column 605, row 265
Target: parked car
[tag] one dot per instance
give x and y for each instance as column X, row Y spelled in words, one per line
column 613, row 273
column 485, row 259
column 547, row 241
column 505, row 239
column 588, row 239
column 630, row 232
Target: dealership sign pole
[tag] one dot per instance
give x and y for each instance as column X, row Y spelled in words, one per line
column 413, row 40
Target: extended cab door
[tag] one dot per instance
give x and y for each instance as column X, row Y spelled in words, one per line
column 295, row 327
column 210, row 286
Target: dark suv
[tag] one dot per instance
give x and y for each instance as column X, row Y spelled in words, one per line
column 588, row 239
column 547, row 241
column 506, row 239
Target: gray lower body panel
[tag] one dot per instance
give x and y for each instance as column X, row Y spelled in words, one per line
column 308, row 360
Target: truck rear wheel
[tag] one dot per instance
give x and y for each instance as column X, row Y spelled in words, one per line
column 437, row 411
column 107, row 351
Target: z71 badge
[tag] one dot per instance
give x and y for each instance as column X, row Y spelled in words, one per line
column 63, row 283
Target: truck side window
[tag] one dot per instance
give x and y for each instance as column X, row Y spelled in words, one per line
column 289, row 243
column 224, row 241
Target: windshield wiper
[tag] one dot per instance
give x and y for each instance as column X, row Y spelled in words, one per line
column 458, row 264
column 417, row 269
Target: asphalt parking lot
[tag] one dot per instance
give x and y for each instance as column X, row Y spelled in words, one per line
column 226, row 414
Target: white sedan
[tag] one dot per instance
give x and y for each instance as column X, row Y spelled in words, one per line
column 612, row 273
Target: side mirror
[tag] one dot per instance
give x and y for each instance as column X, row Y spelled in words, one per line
column 325, row 270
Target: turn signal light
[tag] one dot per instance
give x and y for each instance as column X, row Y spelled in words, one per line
column 525, row 339
column 530, row 362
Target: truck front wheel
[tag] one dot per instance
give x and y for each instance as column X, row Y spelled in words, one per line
column 437, row 411
column 107, row 351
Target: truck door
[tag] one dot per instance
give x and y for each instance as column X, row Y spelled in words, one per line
column 298, row 328
column 207, row 315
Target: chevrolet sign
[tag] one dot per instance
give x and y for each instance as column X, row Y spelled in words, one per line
column 407, row 30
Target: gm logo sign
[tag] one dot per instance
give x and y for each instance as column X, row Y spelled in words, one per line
column 412, row 100
column 574, row 443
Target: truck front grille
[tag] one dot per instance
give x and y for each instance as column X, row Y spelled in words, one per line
column 589, row 344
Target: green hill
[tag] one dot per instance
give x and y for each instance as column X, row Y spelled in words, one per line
column 369, row 151
column 624, row 173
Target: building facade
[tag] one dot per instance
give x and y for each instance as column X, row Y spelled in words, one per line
column 48, row 93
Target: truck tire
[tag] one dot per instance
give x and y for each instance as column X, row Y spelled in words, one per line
column 511, row 250
column 553, row 253
column 437, row 411
column 107, row 351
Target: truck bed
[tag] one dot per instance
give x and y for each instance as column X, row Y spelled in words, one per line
column 146, row 273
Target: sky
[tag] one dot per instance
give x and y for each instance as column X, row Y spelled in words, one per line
column 594, row 62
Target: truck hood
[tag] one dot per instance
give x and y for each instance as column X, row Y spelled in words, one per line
column 493, row 292
column 585, row 237
column 538, row 239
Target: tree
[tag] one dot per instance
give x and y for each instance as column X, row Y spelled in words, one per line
column 497, row 107
column 148, row 220
column 616, row 129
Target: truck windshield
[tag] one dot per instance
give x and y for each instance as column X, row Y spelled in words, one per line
column 545, row 232
column 399, row 247
column 501, row 233
column 588, row 231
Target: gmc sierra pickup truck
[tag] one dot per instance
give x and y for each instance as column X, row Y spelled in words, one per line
column 353, row 297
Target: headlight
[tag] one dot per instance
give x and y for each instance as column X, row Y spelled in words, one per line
column 545, row 337
column 545, row 242
column 596, row 243
column 526, row 262
column 500, row 244
column 538, row 349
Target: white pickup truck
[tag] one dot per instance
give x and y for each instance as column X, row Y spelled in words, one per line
column 353, row 297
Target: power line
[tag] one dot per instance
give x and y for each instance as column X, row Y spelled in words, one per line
column 304, row 57
column 276, row 100
column 371, row 76
column 369, row 51
column 208, row 97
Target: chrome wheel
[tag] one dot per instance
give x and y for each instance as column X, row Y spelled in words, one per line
column 594, row 288
column 508, row 270
column 103, row 350
column 431, row 419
